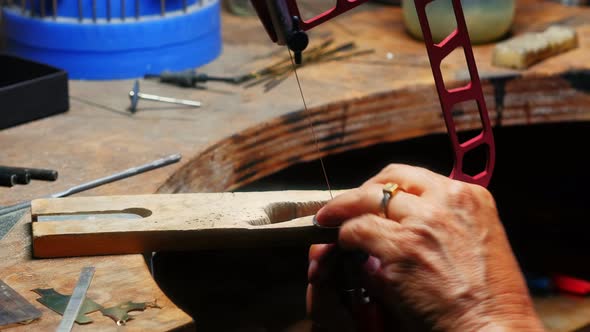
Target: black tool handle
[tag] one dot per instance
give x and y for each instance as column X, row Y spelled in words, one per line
column 7, row 180
column 34, row 173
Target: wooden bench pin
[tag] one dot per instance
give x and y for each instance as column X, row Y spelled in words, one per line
column 82, row 226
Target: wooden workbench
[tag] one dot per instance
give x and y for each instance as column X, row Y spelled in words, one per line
column 241, row 135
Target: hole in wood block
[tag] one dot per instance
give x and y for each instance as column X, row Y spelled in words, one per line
column 466, row 115
column 441, row 19
column 131, row 213
column 454, row 69
column 285, row 211
column 311, row 9
column 475, row 160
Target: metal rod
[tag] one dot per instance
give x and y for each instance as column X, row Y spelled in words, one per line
column 108, row 10
column 54, row 8
column 184, row 5
column 137, row 9
column 99, row 182
column 151, row 97
column 31, row 10
column 23, row 6
column 162, row 7
column 76, row 300
column 94, row 11
column 42, row 5
column 122, row 10
column 80, row 12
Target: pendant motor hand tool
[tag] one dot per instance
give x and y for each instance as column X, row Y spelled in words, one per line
column 285, row 26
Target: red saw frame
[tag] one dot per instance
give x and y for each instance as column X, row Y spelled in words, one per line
column 436, row 53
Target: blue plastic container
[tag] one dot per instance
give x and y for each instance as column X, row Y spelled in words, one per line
column 125, row 46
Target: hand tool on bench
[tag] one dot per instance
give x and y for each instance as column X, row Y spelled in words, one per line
column 135, row 96
column 99, row 182
column 25, row 174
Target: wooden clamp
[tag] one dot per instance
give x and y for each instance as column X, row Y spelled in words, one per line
column 84, row 226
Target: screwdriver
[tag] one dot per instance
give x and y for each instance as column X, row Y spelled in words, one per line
column 190, row 78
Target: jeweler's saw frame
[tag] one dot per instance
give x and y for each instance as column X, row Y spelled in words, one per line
column 285, row 26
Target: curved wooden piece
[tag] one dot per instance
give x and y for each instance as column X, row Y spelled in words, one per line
column 385, row 117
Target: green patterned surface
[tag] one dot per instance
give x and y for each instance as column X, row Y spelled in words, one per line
column 487, row 20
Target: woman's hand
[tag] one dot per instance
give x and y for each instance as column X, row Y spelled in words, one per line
column 439, row 260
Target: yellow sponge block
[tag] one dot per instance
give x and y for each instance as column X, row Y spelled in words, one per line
column 522, row 51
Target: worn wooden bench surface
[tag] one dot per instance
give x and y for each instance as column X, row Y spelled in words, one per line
column 241, row 135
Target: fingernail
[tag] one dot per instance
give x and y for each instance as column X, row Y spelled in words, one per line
column 328, row 218
column 315, row 221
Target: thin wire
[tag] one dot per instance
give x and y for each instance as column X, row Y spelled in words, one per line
column 310, row 123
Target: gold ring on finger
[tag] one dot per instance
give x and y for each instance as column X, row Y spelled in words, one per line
column 389, row 189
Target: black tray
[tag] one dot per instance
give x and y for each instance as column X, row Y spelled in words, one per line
column 30, row 91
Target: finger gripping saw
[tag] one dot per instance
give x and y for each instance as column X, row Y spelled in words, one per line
column 284, row 25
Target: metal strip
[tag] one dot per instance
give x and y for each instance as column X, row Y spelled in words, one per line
column 14, row 308
column 76, row 300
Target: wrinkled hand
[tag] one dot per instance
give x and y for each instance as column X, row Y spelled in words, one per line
column 440, row 260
